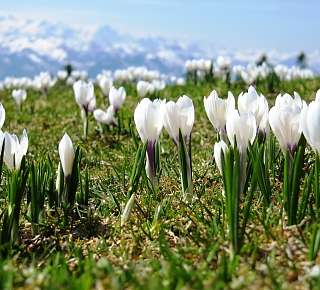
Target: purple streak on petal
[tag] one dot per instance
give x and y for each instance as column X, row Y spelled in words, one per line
column 292, row 148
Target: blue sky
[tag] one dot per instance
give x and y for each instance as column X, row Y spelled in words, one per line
column 249, row 24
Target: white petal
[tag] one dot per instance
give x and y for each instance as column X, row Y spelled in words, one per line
column 218, row 149
column 66, row 153
column 2, row 115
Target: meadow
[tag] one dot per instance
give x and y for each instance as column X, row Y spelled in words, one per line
column 164, row 240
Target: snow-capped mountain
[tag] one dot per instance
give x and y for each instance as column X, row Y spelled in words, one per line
column 28, row 47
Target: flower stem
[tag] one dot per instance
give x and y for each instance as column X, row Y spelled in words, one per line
column 85, row 124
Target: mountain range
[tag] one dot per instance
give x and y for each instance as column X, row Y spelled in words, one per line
column 29, row 46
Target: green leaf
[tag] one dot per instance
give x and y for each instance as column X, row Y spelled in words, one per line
column 185, row 167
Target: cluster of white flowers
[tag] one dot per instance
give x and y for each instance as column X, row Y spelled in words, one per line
column 151, row 116
column 199, row 68
column 44, row 81
column 288, row 119
column 145, row 88
column 14, row 148
column 221, row 66
column 291, row 73
column 249, row 73
column 252, row 72
column 202, row 66
column 74, row 76
column 86, row 99
column 241, row 124
column 132, row 74
column 41, row 82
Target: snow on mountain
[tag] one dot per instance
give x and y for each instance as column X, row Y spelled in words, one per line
column 28, row 47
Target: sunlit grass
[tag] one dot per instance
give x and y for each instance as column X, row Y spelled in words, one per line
column 167, row 243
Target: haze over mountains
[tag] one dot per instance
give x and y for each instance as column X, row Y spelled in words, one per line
column 29, row 46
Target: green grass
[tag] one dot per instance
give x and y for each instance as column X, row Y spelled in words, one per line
column 184, row 247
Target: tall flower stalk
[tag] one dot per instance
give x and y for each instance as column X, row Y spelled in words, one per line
column 285, row 122
column 148, row 120
column 13, row 154
column 241, row 131
column 69, row 173
column 85, row 98
column 232, row 163
column 116, row 100
column 178, row 119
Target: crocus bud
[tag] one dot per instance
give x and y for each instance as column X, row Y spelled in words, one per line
column 217, row 109
column 15, row 149
column 179, row 115
column 66, row 153
column 117, row 97
column 19, row 96
column 127, row 210
column 105, row 84
column 243, row 128
column 219, row 147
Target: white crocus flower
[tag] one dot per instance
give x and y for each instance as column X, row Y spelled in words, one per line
column 105, row 84
column 15, row 149
column 179, row 115
column 252, row 102
column 243, row 128
column 84, row 95
column 286, row 99
column 148, row 120
column 144, row 88
column 117, row 97
column 217, row 110
column 105, row 117
column 19, row 96
column 67, row 155
column 285, row 122
column 219, row 147
column 310, row 123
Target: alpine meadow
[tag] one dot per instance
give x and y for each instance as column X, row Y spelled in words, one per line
column 151, row 165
